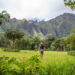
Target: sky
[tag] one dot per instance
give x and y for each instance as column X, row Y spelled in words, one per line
column 29, row 9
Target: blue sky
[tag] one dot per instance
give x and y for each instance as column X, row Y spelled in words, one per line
column 42, row 9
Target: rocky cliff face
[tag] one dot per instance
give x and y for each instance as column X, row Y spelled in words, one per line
column 60, row 26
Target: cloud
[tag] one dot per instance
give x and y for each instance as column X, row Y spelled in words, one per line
column 42, row 9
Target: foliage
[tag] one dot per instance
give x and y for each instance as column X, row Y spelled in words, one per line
column 71, row 41
column 6, row 66
column 70, row 3
column 28, row 67
column 36, row 42
column 3, row 17
column 15, row 40
column 24, row 44
column 33, row 66
column 43, row 28
column 58, row 45
column 71, row 53
column 13, row 34
column 4, row 42
column 48, row 41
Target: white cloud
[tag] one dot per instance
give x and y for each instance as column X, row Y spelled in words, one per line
column 43, row 9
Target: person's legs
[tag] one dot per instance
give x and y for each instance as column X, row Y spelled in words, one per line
column 41, row 54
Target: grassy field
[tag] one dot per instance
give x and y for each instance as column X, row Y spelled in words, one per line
column 49, row 56
column 53, row 63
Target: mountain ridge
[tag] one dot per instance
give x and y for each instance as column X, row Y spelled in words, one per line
column 60, row 26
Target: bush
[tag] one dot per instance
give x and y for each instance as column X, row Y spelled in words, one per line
column 30, row 66
column 71, row 53
column 33, row 66
column 58, row 45
column 71, row 42
column 6, row 66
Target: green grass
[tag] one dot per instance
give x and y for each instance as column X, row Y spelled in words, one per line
column 50, row 57
column 53, row 63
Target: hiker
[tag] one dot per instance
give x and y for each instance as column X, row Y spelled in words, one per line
column 41, row 50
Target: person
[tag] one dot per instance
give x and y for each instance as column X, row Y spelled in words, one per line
column 41, row 50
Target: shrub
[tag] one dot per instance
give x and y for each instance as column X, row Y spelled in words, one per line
column 33, row 66
column 58, row 44
column 71, row 53
column 71, row 41
column 6, row 66
column 30, row 66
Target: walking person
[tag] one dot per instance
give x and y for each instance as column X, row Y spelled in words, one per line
column 41, row 50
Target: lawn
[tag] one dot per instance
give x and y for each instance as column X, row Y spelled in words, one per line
column 49, row 56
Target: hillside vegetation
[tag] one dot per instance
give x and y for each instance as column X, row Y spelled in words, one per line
column 60, row 26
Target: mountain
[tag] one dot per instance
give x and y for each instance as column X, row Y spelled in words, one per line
column 60, row 26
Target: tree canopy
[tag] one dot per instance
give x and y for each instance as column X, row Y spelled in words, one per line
column 13, row 34
column 70, row 3
column 58, row 44
column 4, row 17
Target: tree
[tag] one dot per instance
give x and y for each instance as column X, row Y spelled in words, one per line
column 13, row 35
column 58, row 44
column 24, row 43
column 36, row 42
column 47, row 42
column 70, row 3
column 3, row 42
column 71, row 41
column 3, row 17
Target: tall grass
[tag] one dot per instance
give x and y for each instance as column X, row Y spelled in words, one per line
column 28, row 63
